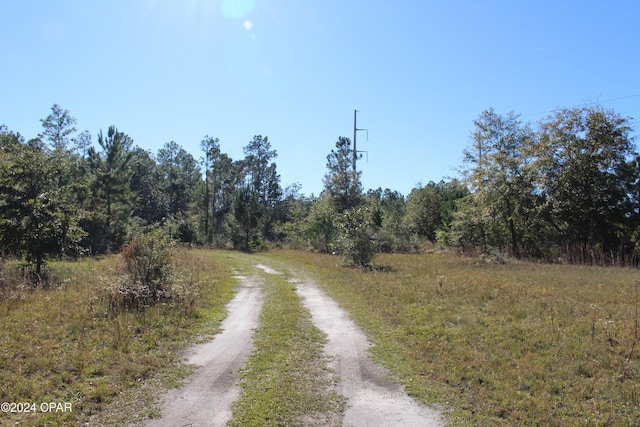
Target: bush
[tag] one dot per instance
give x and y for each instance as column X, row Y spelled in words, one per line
column 355, row 237
column 258, row 245
column 149, row 272
column 320, row 225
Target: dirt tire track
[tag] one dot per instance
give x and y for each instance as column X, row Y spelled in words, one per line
column 374, row 400
column 206, row 398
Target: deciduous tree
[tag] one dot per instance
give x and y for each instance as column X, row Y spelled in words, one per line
column 499, row 180
column 38, row 219
column 585, row 174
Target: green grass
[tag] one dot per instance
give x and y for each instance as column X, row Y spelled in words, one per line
column 514, row 344
column 63, row 344
column 286, row 380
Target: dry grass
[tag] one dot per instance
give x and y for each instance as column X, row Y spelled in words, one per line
column 63, row 344
column 513, row 344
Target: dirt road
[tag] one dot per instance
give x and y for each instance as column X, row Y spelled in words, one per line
column 373, row 399
column 206, row 398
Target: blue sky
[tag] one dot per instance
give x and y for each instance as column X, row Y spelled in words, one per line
column 419, row 72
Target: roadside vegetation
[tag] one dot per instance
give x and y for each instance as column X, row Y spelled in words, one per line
column 498, row 344
column 70, row 343
column 286, row 380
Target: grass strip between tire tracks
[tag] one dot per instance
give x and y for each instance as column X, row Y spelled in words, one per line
column 286, row 380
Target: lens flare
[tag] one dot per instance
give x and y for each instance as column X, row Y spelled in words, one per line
column 236, row 9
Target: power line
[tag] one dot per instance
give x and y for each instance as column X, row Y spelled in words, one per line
column 547, row 112
column 586, row 105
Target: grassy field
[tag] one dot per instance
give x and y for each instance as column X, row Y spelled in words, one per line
column 512, row 344
column 63, row 345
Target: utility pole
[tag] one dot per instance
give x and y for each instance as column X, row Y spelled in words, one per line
column 355, row 129
column 355, row 153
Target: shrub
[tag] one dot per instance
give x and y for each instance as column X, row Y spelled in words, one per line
column 320, row 225
column 149, row 272
column 355, row 237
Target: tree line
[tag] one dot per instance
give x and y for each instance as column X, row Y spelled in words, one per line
column 565, row 189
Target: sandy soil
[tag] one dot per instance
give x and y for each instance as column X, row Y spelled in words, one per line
column 206, row 398
column 374, row 400
column 267, row 269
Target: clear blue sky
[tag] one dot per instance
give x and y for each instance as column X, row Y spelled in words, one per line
column 419, row 72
